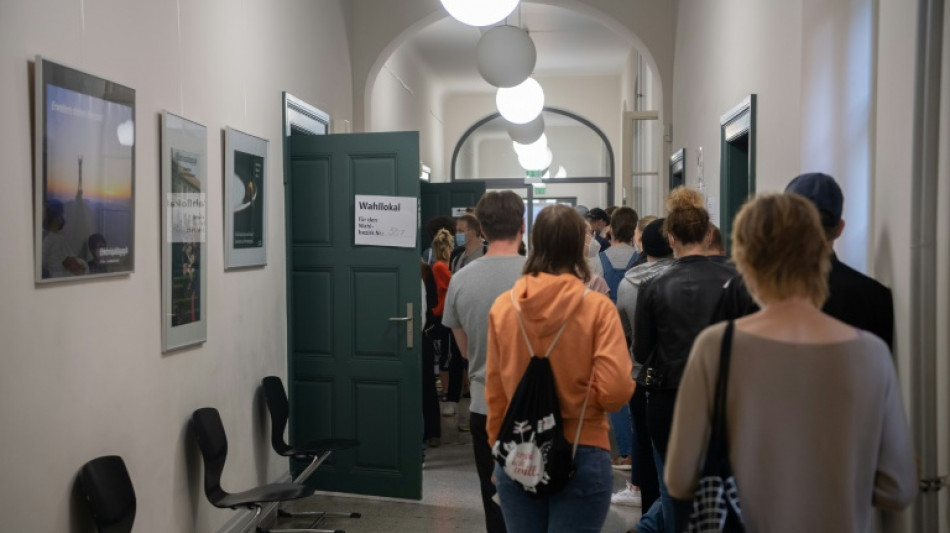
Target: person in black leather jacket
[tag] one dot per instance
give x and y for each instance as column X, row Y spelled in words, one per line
column 671, row 310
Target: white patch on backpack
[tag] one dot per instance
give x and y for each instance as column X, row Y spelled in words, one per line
column 546, row 423
column 525, row 460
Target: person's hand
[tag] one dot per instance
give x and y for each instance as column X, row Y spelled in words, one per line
column 74, row 265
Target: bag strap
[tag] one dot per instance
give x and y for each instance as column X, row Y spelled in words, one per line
column 580, row 424
column 719, row 439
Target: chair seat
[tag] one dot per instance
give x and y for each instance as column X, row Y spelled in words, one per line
column 318, row 447
column 275, row 492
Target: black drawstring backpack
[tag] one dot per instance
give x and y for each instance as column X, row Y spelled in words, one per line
column 531, row 447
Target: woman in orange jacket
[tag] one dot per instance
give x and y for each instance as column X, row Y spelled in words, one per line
column 592, row 350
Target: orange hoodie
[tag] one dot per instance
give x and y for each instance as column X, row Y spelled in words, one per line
column 592, row 346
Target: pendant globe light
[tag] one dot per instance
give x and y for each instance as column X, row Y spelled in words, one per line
column 538, row 146
column 522, row 103
column 479, row 12
column 527, row 133
column 505, row 56
column 536, row 161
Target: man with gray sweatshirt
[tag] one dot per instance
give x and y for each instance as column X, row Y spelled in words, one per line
column 471, row 294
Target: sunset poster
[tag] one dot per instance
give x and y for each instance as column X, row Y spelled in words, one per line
column 85, row 201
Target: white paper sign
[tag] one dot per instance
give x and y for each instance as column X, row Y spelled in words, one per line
column 459, row 211
column 385, row 221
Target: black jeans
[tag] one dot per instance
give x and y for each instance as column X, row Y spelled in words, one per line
column 431, row 421
column 494, row 521
column 643, row 473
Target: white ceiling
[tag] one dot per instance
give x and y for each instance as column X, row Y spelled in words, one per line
column 568, row 44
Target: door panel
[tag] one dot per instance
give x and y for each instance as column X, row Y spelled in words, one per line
column 353, row 372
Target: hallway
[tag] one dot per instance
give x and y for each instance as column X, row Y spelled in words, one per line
column 450, row 499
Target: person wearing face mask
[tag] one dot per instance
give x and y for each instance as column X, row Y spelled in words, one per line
column 468, row 243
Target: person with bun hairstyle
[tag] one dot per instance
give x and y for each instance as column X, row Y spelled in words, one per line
column 671, row 310
column 814, row 420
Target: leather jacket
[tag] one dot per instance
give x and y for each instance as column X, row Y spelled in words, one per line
column 672, row 309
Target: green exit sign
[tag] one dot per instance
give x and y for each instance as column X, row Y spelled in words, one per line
column 540, row 190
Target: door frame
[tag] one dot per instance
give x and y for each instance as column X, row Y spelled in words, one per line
column 737, row 123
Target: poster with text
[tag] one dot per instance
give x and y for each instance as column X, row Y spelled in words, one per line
column 184, row 230
column 85, row 175
column 245, row 189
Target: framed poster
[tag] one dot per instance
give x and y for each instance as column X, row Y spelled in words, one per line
column 84, row 196
column 245, row 213
column 184, row 160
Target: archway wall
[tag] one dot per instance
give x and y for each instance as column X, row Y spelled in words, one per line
column 591, row 97
column 378, row 28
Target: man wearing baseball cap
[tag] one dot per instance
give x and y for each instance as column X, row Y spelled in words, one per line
column 853, row 298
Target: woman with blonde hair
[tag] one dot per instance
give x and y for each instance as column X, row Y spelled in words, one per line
column 812, row 408
column 450, row 361
column 550, row 311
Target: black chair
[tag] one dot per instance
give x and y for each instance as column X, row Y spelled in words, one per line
column 108, row 489
column 213, row 443
column 316, row 451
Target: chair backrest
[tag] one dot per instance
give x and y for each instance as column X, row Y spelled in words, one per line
column 213, row 443
column 276, row 400
column 108, row 489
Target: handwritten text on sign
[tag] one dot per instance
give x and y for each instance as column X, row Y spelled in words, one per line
column 386, row 221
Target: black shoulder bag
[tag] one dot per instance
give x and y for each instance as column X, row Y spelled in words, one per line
column 716, row 500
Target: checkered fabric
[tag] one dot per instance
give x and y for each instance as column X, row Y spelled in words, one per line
column 712, row 501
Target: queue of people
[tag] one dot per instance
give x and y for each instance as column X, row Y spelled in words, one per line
column 755, row 392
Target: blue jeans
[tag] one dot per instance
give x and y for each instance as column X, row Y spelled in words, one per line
column 581, row 507
column 659, row 518
column 622, row 424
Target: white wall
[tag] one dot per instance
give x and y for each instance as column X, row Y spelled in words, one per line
column 810, row 62
column 408, row 98
column 82, row 373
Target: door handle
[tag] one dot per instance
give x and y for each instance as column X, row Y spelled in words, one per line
column 408, row 319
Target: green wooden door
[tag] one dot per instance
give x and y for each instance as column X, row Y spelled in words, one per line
column 354, row 369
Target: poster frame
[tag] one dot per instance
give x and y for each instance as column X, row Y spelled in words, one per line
column 182, row 137
column 238, row 141
column 46, row 74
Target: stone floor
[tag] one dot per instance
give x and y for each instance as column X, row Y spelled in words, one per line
column 450, row 497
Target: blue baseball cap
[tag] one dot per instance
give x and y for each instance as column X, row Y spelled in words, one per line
column 823, row 191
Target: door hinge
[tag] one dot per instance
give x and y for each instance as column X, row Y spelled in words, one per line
column 934, row 484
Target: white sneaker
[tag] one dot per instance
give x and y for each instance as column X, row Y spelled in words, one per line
column 448, row 409
column 627, row 496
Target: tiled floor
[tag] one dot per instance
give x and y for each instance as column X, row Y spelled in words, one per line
column 450, row 498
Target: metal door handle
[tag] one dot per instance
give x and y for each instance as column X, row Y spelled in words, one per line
column 408, row 319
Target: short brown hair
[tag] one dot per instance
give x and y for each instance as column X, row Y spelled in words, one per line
column 471, row 222
column 557, row 243
column 500, row 214
column 623, row 224
column 715, row 239
column 687, row 220
column 778, row 249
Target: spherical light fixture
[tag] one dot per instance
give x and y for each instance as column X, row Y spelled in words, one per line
column 527, row 133
column 537, row 146
column 536, row 161
column 522, row 103
column 505, row 56
column 479, row 12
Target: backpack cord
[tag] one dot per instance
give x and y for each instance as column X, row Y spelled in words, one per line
column 580, row 424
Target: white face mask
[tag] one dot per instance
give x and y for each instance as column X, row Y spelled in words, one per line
column 593, row 248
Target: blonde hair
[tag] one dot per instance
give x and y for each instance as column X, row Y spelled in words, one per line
column 779, row 248
column 442, row 245
column 644, row 222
